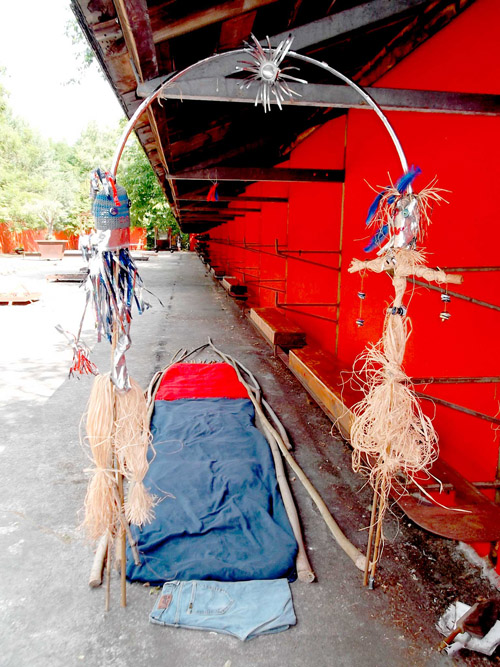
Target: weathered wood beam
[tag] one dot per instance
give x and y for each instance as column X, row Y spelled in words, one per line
column 334, row 96
column 207, row 218
column 346, row 21
column 221, row 211
column 205, row 17
column 293, row 12
column 224, row 198
column 251, row 174
column 136, row 26
column 305, row 36
column 235, row 31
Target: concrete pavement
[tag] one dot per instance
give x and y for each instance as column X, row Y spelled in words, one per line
column 48, row 614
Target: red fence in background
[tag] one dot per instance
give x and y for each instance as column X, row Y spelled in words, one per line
column 10, row 240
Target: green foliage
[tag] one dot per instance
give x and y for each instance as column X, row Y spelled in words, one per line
column 150, row 207
column 45, row 184
column 84, row 56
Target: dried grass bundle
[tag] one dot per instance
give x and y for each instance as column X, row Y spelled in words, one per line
column 132, row 440
column 118, row 435
column 390, row 433
column 101, row 510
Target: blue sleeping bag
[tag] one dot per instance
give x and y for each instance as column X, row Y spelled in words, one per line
column 220, row 514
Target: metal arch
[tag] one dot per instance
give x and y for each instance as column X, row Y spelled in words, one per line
column 174, row 78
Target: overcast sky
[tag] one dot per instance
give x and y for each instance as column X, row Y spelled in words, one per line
column 39, row 59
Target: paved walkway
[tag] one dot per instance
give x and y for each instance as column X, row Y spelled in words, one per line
column 49, row 616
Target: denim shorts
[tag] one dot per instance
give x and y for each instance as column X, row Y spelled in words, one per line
column 244, row 609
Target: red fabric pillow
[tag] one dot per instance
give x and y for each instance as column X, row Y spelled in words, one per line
column 200, row 381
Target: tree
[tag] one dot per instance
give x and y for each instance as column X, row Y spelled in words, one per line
column 48, row 211
column 150, row 207
column 46, row 183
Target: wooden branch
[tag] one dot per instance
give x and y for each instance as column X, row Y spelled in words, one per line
column 95, row 578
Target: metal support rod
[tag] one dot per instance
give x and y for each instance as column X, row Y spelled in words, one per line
column 311, row 252
column 307, row 305
column 465, row 269
column 447, row 486
column 283, row 255
column 470, row 299
column 271, row 289
column 459, row 408
column 274, row 254
column 457, row 380
column 300, row 312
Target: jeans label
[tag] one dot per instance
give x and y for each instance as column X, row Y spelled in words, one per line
column 164, row 602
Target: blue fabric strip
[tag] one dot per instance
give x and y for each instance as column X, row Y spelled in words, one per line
column 224, row 518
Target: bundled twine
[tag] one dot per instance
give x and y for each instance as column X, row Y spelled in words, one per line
column 118, row 435
column 390, row 433
column 101, row 508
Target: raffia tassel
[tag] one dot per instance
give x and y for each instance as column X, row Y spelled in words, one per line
column 390, row 433
column 139, row 505
column 118, row 434
column 101, row 511
column 132, row 441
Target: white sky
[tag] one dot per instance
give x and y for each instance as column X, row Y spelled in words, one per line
column 39, row 59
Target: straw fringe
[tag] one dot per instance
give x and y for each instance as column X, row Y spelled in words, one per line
column 390, row 434
column 118, row 436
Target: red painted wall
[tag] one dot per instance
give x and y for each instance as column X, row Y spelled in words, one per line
column 463, row 152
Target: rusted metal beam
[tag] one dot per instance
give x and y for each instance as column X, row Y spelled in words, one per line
column 253, row 174
column 459, row 408
column 226, row 198
column 470, row 299
column 457, row 380
column 214, row 216
column 219, row 89
column 217, row 211
column 347, row 21
column 468, row 269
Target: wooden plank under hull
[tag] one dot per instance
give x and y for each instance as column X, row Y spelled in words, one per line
column 327, row 380
column 276, row 329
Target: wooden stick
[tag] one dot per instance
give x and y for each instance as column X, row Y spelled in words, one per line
column 378, row 535
column 123, row 547
column 126, row 528
column 95, row 578
column 108, row 577
column 370, row 534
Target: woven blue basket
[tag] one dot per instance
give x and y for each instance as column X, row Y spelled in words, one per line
column 107, row 215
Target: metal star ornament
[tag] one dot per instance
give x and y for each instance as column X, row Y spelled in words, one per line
column 265, row 68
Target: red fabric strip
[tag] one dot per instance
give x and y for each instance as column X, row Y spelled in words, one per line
column 200, row 381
